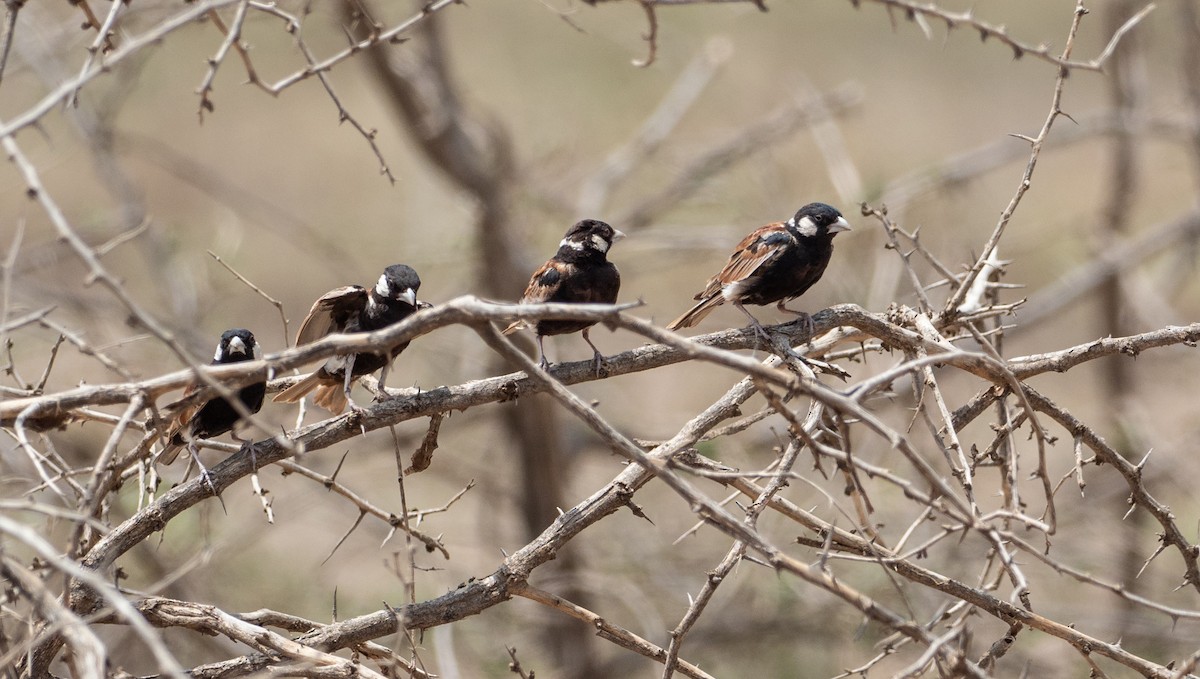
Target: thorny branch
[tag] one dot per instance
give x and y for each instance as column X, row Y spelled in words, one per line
column 136, row 45
column 920, row 12
column 1026, row 182
column 406, row 405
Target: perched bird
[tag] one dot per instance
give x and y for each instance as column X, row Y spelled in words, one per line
column 216, row 416
column 354, row 308
column 579, row 272
column 775, row 263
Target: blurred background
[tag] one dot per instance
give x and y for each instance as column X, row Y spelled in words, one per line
column 742, row 117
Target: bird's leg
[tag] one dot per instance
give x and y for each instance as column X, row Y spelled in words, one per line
column 383, row 373
column 754, row 322
column 597, row 357
column 204, row 475
column 349, row 383
column 545, row 365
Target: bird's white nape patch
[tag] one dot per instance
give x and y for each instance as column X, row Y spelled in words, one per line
column 381, row 287
column 806, row 226
column 570, row 243
column 599, row 243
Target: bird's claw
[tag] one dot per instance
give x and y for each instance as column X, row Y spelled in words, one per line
column 811, row 327
column 763, row 334
column 252, row 448
column 599, row 364
column 206, row 478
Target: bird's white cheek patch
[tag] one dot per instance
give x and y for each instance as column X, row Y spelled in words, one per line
column 806, row 227
column 599, row 243
column 217, row 356
column 257, row 352
column 381, row 287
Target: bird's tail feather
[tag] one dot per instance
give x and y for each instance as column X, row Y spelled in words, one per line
column 299, row 390
column 331, row 397
column 697, row 313
column 169, row 453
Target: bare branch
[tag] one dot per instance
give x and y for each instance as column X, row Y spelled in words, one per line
column 606, row 629
column 1036, row 143
column 912, row 10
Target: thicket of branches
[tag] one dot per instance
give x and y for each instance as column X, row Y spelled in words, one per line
column 917, row 485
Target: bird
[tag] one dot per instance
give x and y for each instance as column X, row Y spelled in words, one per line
column 578, row 273
column 215, row 416
column 776, row 263
column 349, row 309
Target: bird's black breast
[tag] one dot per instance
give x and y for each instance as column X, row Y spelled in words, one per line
column 218, row 416
column 380, row 315
column 583, row 283
column 373, row 317
column 797, row 268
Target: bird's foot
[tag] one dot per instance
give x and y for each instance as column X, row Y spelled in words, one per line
column 599, row 364
column 802, row 316
column 762, row 333
column 806, row 318
column 206, row 478
column 778, row 345
column 252, row 448
column 208, row 481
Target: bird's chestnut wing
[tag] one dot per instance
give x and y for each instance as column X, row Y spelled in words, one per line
column 545, row 282
column 184, row 417
column 761, row 246
column 331, row 312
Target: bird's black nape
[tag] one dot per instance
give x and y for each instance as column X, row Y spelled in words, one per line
column 821, row 210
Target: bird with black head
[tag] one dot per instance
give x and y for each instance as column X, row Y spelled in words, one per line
column 579, row 273
column 350, row 309
column 776, row 263
column 216, row 416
